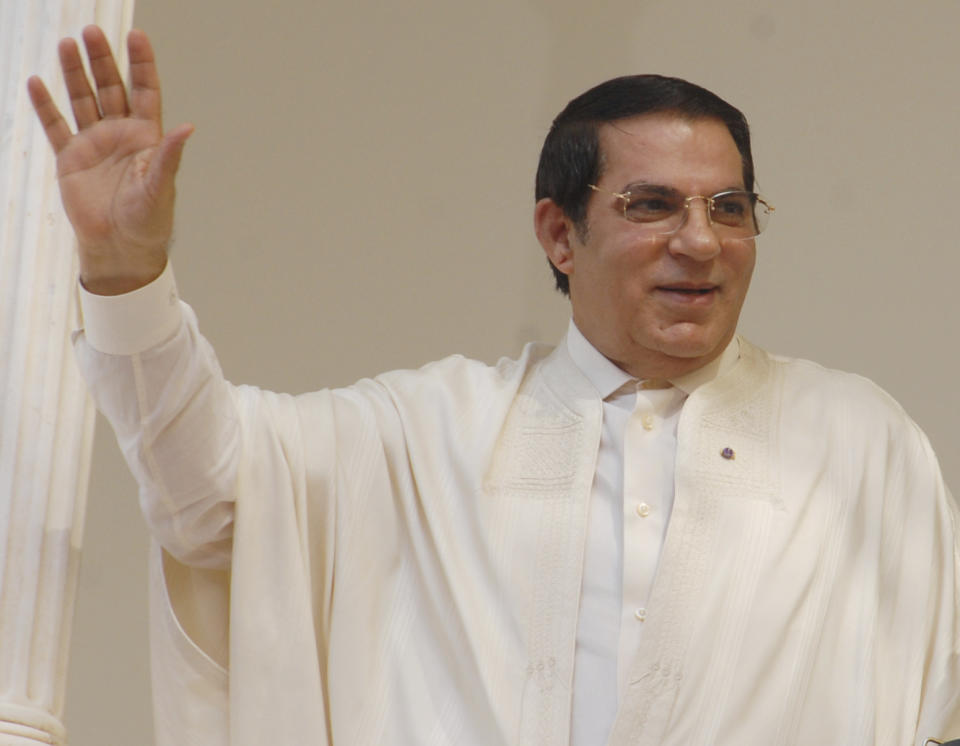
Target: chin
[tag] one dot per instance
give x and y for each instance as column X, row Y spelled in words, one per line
column 692, row 344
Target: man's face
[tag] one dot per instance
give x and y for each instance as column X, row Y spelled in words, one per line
column 660, row 305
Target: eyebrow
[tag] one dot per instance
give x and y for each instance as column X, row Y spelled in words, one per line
column 649, row 187
column 670, row 191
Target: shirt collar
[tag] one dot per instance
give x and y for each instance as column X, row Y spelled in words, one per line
column 607, row 377
column 604, row 375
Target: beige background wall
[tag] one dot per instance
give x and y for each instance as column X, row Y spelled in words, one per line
column 358, row 195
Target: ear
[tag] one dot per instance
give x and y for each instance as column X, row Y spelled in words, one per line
column 556, row 232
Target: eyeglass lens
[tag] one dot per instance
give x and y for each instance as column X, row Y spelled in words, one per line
column 736, row 214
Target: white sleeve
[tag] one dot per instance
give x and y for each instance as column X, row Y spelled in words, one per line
column 160, row 386
column 940, row 704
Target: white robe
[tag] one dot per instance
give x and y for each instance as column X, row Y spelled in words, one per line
column 407, row 557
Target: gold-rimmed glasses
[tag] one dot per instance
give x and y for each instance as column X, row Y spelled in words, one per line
column 732, row 214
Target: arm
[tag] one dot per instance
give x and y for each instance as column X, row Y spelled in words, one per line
column 150, row 372
column 158, row 382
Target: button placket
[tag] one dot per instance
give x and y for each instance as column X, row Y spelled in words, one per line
column 647, row 478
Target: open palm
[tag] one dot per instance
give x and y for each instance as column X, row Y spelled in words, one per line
column 116, row 173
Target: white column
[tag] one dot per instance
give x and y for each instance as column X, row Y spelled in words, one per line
column 46, row 419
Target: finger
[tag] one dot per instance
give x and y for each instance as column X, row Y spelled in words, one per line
column 110, row 88
column 144, row 79
column 82, row 101
column 166, row 160
column 54, row 126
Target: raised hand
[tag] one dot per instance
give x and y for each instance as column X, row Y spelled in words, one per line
column 116, row 173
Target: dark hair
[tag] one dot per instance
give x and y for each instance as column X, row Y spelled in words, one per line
column 571, row 157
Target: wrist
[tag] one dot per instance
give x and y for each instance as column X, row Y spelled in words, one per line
column 117, row 278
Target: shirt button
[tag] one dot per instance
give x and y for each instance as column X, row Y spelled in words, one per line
column 640, row 614
column 643, row 510
column 647, row 421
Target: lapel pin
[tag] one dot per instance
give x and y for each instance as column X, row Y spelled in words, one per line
column 728, row 454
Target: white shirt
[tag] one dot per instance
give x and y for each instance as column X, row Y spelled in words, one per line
column 630, row 507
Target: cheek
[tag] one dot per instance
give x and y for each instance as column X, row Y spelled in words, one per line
column 619, row 275
column 749, row 262
column 740, row 262
column 628, row 289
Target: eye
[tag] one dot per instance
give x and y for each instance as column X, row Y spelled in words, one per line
column 649, row 206
column 733, row 208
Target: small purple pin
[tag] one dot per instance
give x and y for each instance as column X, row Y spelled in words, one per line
column 728, row 454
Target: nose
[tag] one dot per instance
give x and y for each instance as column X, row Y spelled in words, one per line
column 695, row 238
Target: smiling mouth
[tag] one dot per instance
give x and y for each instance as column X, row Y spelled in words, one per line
column 687, row 297
column 689, row 291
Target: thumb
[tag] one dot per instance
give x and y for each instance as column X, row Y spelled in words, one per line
column 166, row 159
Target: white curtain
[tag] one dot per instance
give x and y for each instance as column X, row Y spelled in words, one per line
column 46, row 419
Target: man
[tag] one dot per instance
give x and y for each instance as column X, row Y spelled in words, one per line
column 654, row 534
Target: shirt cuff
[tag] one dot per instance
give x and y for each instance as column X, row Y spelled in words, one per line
column 132, row 322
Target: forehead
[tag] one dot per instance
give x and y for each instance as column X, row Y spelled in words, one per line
column 688, row 154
